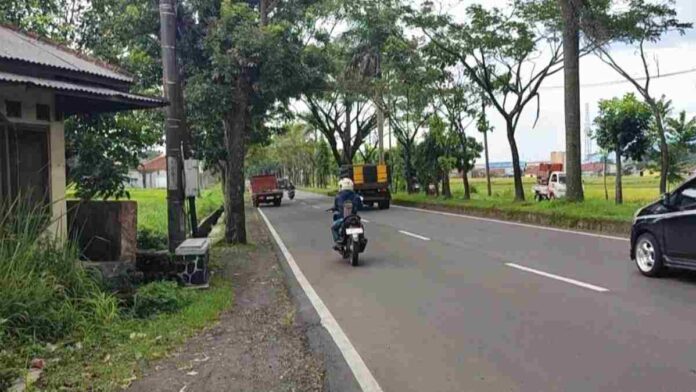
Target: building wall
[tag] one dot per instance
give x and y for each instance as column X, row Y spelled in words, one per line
column 30, row 97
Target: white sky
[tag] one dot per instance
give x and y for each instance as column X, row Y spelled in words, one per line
column 675, row 53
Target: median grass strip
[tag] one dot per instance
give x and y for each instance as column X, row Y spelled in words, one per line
column 594, row 214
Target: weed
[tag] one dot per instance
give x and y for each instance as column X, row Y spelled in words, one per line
column 159, row 297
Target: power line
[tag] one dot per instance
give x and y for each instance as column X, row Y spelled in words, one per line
column 621, row 81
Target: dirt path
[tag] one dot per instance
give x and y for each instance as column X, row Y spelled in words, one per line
column 257, row 345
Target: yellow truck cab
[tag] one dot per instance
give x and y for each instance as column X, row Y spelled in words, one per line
column 371, row 181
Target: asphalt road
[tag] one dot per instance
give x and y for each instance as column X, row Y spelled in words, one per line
column 448, row 303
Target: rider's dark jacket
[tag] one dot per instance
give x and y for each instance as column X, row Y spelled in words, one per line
column 341, row 198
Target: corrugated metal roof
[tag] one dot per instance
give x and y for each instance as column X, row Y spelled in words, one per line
column 15, row 45
column 67, row 86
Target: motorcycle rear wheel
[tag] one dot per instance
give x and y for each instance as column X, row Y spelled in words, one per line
column 354, row 253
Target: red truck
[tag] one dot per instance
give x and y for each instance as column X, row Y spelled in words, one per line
column 264, row 189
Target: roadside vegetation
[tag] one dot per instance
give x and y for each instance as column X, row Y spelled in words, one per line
column 637, row 192
column 87, row 336
column 152, row 213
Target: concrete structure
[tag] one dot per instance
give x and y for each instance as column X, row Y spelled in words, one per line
column 41, row 83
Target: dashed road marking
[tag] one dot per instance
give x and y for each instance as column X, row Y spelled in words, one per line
column 420, row 237
column 558, row 277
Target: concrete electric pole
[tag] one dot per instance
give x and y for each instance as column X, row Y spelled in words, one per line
column 176, row 222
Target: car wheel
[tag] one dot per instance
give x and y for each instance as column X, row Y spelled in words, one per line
column 648, row 255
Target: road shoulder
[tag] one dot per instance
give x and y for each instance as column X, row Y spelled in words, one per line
column 264, row 342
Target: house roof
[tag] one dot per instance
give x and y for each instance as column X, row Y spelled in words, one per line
column 81, row 84
column 153, row 165
column 106, row 93
column 29, row 48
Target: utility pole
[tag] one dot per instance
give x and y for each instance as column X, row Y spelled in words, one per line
column 176, row 222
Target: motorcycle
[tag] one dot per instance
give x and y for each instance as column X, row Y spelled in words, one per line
column 291, row 192
column 352, row 239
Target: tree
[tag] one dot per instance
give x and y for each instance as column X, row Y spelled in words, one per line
column 622, row 127
column 570, row 11
column 410, row 80
column 103, row 148
column 496, row 49
column 323, row 160
column 456, row 105
column 644, row 22
column 254, row 51
column 343, row 118
column 680, row 133
column 485, row 128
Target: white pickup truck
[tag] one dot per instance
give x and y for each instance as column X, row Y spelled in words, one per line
column 552, row 188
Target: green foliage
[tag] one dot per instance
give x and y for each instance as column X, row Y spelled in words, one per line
column 150, row 239
column 680, row 133
column 622, row 126
column 102, row 149
column 159, row 297
column 46, row 293
column 323, row 160
column 152, row 213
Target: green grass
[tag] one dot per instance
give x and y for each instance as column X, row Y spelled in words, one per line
column 52, row 308
column 110, row 358
column 152, row 207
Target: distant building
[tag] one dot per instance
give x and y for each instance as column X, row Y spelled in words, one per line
column 154, row 172
column 597, row 169
column 135, row 179
column 497, row 169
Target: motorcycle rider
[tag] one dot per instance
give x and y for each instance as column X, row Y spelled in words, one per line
column 345, row 193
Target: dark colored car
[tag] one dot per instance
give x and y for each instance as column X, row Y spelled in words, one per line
column 664, row 232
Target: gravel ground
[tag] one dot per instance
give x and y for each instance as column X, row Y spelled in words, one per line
column 258, row 345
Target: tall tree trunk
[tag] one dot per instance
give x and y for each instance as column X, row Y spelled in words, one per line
column 664, row 152
column 347, row 156
column 606, row 189
column 446, row 191
column 408, row 169
column 517, row 171
column 619, row 175
column 465, row 180
column 488, row 167
column 571, row 68
column 236, row 123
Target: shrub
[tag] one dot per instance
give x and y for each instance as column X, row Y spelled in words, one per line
column 151, row 240
column 46, row 293
column 159, row 297
column 473, row 189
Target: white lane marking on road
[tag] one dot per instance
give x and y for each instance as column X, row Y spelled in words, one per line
column 316, row 207
column 364, row 220
column 420, row 237
column 609, row 237
column 558, row 277
column 355, row 362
